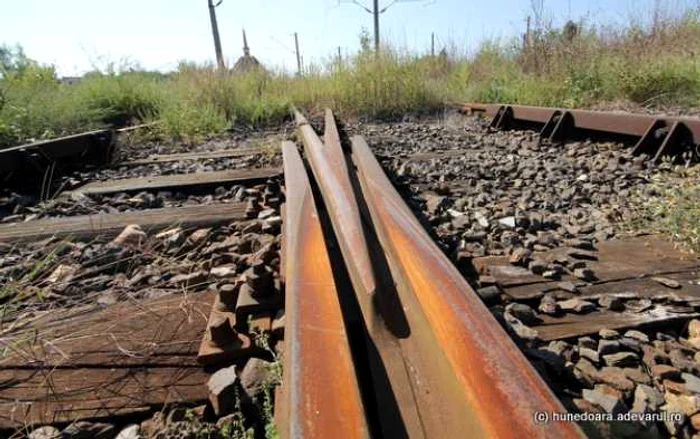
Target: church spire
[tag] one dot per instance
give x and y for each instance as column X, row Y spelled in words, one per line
column 246, row 49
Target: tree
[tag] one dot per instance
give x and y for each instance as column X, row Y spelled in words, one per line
column 13, row 60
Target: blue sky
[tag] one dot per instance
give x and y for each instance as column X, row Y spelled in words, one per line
column 74, row 35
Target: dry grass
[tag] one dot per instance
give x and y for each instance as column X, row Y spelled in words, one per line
column 653, row 63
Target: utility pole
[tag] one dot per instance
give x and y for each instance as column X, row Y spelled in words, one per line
column 296, row 45
column 376, row 11
column 376, row 25
column 215, row 31
column 432, row 44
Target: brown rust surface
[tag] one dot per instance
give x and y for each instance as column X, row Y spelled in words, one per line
column 69, row 365
column 498, row 385
column 605, row 121
column 330, row 169
column 321, row 390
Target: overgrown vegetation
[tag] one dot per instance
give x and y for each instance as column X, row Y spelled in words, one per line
column 671, row 205
column 652, row 63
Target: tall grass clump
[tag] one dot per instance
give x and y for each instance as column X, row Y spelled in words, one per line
column 654, row 62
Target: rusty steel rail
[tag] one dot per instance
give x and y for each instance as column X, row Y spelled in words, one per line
column 656, row 137
column 501, row 389
column 451, row 369
column 322, row 398
column 330, row 169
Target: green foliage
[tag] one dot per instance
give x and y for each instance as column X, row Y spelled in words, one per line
column 655, row 63
column 673, row 207
column 119, row 99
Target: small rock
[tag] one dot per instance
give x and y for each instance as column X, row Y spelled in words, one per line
column 688, row 405
column 692, row 383
column 585, row 274
column 524, row 332
column 224, row 271
column 588, row 342
column 266, row 213
column 537, row 267
column 222, row 390
column 578, row 253
column 611, row 303
column 694, row 329
column 695, row 422
column 675, row 387
column 548, row 305
column 576, row 305
column 89, row 430
column 490, row 295
column 256, row 376
column 608, row 334
column 637, row 375
column 62, row 273
column 615, row 377
column 607, row 402
column 606, row 347
column 621, row 359
column 46, row 432
column 585, row 406
column 638, row 306
column 520, row 256
column 508, row 221
column 523, row 313
column 568, row 286
column 561, row 348
column 646, row 399
column 131, row 235
column 631, row 344
column 669, row 283
column 481, row 220
column 107, row 298
column 580, row 244
column 589, row 354
column 433, row 203
column 637, row 335
column 665, row 372
column 131, row 432
column 673, row 421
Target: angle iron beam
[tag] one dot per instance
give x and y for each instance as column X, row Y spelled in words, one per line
column 624, row 124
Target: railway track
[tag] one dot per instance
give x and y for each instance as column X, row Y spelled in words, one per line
column 414, row 281
column 435, row 353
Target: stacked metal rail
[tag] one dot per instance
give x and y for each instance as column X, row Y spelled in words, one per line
column 655, row 136
column 432, row 361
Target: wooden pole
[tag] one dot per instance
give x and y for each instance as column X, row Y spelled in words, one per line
column 296, row 45
column 215, row 32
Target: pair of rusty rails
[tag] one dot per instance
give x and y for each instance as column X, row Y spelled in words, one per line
column 657, row 137
column 453, row 372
